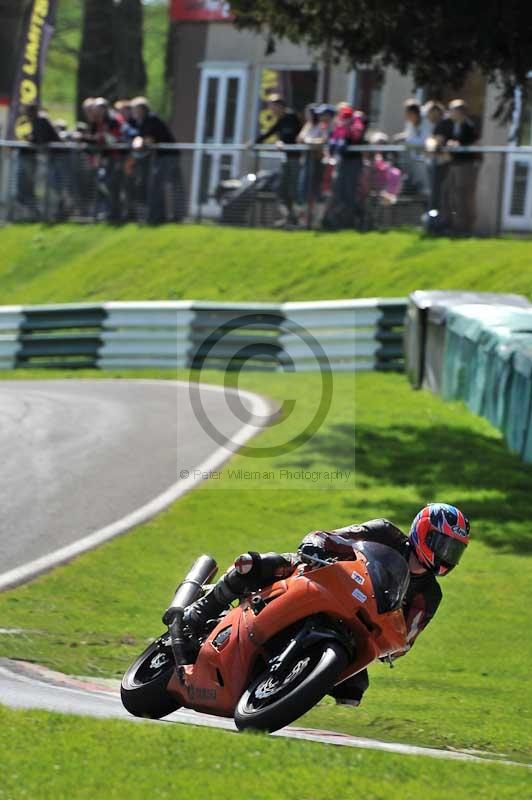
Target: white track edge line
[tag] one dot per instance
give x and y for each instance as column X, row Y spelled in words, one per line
column 260, row 409
column 189, row 717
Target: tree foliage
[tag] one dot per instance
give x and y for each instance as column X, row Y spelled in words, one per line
column 439, row 43
column 110, row 59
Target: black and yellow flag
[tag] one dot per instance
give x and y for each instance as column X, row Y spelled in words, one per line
column 34, row 43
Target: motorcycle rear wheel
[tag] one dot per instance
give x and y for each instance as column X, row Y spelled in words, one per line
column 269, row 703
column 143, row 689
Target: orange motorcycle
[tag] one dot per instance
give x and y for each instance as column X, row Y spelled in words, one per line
column 270, row 659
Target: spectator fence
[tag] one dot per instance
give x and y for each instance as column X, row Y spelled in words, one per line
column 367, row 188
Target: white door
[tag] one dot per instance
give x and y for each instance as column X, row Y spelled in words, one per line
column 517, row 205
column 219, row 123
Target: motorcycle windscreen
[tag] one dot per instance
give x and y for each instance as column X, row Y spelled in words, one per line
column 389, row 574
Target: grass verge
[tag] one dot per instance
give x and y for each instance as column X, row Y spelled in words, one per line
column 461, row 686
column 72, row 263
column 51, row 756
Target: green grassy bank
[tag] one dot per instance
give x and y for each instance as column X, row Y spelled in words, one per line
column 462, row 685
column 52, row 756
column 70, row 263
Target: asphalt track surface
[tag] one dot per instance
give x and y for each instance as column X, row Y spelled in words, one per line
column 29, row 686
column 82, row 457
column 86, row 460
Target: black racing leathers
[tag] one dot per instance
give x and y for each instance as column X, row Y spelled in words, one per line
column 423, row 596
column 253, row 571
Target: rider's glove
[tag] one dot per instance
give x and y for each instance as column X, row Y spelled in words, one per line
column 313, row 550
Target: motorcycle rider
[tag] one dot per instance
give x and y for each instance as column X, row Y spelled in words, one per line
column 438, row 536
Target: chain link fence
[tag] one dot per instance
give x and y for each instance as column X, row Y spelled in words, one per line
column 483, row 190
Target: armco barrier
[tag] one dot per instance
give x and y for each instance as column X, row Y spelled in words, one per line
column 339, row 334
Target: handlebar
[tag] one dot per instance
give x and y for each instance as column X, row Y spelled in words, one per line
column 315, row 560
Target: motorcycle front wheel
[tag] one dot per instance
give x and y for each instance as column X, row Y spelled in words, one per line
column 271, row 702
column 143, row 689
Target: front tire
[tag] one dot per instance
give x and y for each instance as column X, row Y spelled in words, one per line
column 269, row 703
column 143, row 690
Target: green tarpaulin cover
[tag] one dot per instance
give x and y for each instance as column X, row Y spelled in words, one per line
column 488, row 365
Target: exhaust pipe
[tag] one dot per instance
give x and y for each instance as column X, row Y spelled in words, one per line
column 203, row 570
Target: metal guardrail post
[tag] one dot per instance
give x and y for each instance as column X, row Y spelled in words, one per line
column 47, row 186
column 12, row 160
column 4, row 183
column 256, row 164
column 309, row 167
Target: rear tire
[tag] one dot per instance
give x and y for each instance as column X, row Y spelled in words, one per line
column 143, row 690
column 269, row 704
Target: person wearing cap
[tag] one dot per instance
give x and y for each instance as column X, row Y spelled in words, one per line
column 326, row 116
column 161, row 169
column 286, row 128
column 151, row 128
column 460, row 195
column 326, row 111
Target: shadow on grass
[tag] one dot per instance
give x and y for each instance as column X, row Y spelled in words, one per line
column 454, row 464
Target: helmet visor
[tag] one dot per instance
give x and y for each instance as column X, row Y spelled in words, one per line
column 446, row 548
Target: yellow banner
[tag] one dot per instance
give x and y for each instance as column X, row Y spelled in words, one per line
column 27, row 88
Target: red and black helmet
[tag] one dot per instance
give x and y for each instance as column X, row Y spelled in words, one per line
column 439, row 536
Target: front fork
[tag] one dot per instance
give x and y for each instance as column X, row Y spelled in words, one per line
column 314, row 630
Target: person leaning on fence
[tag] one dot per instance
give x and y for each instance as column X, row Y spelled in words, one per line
column 105, row 131
column 463, row 171
column 57, row 175
column 88, row 110
column 315, row 136
column 286, row 128
column 380, row 182
column 61, row 127
column 129, row 132
column 159, row 170
column 327, row 117
column 437, row 161
column 344, row 210
column 413, row 135
column 129, row 125
column 42, row 133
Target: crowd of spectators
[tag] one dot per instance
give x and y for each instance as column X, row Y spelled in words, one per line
column 102, row 179
column 447, row 179
column 331, row 180
column 340, row 187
